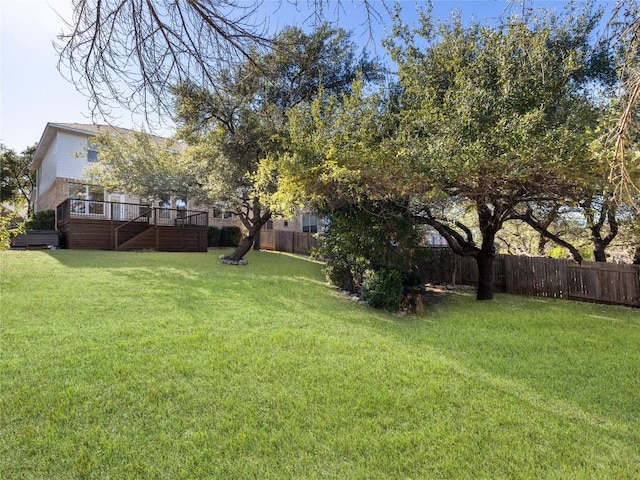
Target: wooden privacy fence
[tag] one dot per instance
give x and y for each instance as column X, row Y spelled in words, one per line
column 286, row 241
column 541, row 277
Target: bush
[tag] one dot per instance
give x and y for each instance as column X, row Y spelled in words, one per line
column 10, row 226
column 358, row 240
column 340, row 275
column 383, row 289
column 230, row 236
column 43, row 220
column 213, row 236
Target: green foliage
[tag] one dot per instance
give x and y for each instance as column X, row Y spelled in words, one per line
column 501, row 111
column 42, row 220
column 147, row 166
column 17, row 179
column 375, row 238
column 383, row 288
column 230, row 236
column 560, row 252
column 227, row 236
column 213, row 236
column 342, row 153
column 10, row 226
column 342, row 274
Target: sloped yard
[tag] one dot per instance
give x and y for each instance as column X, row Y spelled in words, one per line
column 157, row 365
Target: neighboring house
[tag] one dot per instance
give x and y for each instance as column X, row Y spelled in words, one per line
column 304, row 223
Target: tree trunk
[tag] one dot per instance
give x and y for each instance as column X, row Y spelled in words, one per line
column 256, row 239
column 542, row 243
column 253, row 226
column 607, row 213
column 485, row 260
column 599, row 252
column 489, row 221
column 241, row 250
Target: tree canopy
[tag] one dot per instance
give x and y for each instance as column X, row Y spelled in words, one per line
column 18, row 179
column 490, row 117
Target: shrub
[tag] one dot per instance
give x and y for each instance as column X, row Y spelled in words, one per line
column 43, row 220
column 230, row 236
column 10, row 226
column 383, row 289
column 213, row 236
column 360, row 239
column 340, row 275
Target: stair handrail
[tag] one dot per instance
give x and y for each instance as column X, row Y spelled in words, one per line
column 117, row 229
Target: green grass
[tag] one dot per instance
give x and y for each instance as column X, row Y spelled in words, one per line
column 157, row 365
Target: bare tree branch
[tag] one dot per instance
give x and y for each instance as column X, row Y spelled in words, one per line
column 538, row 226
column 130, row 53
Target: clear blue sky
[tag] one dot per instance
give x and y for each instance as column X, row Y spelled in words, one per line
column 32, row 91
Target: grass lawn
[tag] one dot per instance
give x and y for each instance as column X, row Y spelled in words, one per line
column 158, row 365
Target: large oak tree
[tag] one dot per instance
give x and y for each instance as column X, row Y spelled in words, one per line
column 498, row 117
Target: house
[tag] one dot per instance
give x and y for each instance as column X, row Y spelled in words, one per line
column 88, row 216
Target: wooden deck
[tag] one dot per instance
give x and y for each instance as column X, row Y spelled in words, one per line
column 125, row 226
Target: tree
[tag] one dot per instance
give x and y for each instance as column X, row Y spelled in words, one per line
column 143, row 165
column 133, row 52
column 18, row 178
column 624, row 37
column 239, row 128
column 498, row 117
column 230, row 135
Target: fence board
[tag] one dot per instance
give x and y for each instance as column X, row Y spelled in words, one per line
column 287, row 241
column 543, row 277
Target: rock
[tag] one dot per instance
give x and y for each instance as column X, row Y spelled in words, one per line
column 228, row 261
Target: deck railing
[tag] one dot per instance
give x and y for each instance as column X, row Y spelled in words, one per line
column 133, row 227
column 99, row 210
column 129, row 212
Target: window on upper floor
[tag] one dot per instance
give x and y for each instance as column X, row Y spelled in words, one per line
column 92, row 153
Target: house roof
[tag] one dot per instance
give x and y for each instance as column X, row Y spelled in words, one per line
column 89, row 129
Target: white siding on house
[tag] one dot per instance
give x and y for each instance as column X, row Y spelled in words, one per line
column 47, row 171
column 72, row 154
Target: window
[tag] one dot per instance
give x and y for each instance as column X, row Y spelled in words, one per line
column 218, row 212
column 86, row 199
column 181, row 203
column 309, row 223
column 92, row 153
column 181, row 206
